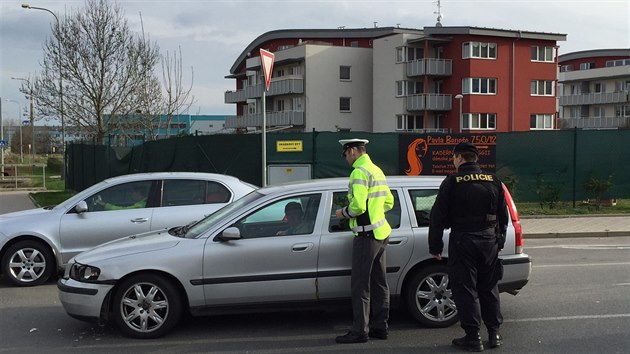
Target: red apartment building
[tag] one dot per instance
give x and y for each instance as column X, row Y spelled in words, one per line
column 450, row 79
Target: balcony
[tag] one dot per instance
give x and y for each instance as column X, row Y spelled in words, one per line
column 594, row 123
column 272, row 118
column 279, row 86
column 429, row 102
column 594, row 98
column 430, row 66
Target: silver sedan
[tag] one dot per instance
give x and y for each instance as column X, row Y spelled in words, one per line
column 248, row 255
column 35, row 243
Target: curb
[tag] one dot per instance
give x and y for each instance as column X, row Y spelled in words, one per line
column 578, row 234
column 571, row 216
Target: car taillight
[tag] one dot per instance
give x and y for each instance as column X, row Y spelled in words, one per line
column 516, row 221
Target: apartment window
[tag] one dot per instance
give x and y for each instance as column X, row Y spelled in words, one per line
column 295, row 70
column 354, row 44
column 409, row 122
column 599, row 87
column 566, row 68
column 279, row 72
column 344, row 104
column 621, row 86
column 251, row 107
column 344, row 73
column 541, row 121
column 622, row 111
column 296, row 103
column 483, row 86
column 479, row 50
column 545, row 54
column 416, row 87
column 279, row 105
column 619, row 62
column 414, row 53
column 542, row 88
column 599, row 112
column 479, row 121
column 587, row 66
column 401, row 88
column 400, row 55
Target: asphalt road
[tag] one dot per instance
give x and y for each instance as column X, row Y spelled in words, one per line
column 576, row 302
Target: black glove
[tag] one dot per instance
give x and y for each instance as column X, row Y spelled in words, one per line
column 501, row 239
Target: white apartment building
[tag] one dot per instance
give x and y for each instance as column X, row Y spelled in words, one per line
column 594, row 89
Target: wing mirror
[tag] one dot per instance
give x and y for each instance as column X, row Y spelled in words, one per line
column 231, row 233
column 81, row 207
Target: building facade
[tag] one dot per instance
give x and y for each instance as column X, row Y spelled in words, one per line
column 594, row 89
column 449, row 79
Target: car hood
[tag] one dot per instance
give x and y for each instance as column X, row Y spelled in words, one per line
column 23, row 213
column 129, row 245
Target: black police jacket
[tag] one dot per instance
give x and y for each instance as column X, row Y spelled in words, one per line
column 470, row 201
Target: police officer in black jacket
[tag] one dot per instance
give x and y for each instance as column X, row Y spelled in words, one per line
column 472, row 204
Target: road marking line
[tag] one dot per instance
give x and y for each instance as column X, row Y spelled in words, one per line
column 600, row 247
column 580, row 265
column 562, row 318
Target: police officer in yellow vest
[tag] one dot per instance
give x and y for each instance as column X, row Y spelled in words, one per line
column 472, row 204
column 369, row 198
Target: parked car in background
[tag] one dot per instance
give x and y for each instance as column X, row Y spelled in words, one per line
column 35, row 243
column 248, row 255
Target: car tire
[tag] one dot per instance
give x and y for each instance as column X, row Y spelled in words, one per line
column 146, row 306
column 28, row 263
column 429, row 298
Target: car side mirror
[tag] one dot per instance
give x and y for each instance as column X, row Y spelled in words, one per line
column 81, row 207
column 231, row 233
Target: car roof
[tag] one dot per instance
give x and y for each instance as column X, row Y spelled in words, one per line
column 170, row 175
column 337, row 182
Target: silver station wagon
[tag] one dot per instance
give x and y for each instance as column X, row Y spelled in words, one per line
column 35, row 243
column 247, row 255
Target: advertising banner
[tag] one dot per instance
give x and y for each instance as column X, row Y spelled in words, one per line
column 432, row 154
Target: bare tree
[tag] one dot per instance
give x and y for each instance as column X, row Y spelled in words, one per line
column 105, row 70
column 177, row 99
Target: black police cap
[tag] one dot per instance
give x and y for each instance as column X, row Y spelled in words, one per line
column 464, row 148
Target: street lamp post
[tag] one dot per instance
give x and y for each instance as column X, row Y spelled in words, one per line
column 20, row 122
column 459, row 97
column 63, row 126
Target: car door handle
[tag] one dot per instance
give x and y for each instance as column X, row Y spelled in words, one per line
column 302, row 247
column 395, row 241
column 139, row 220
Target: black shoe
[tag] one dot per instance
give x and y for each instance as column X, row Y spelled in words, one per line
column 378, row 333
column 470, row 343
column 352, row 337
column 495, row 340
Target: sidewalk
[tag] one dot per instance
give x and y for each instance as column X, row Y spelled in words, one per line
column 576, row 226
column 533, row 227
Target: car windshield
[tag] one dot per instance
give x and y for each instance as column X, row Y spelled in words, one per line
column 205, row 223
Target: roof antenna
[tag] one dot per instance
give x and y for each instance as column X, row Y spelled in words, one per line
column 439, row 13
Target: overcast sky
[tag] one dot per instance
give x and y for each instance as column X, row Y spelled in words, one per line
column 212, row 33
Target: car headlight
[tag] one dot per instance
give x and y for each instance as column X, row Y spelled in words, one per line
column 82, row 272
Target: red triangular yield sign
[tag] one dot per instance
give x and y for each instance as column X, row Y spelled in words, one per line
column 266, row 59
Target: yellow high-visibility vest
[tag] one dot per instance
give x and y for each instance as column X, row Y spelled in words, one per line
column 369, row 198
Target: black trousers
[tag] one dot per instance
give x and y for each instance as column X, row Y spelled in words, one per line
column 369, row 290
column 474, row 271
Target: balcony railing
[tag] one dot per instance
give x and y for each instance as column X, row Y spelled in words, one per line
column 277, row 87
column 429, row 102
column 595, row 123
column 430, row 66
column 272, row 119
column 594, row 98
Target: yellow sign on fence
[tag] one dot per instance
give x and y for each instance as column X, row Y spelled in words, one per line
column 289, row 146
